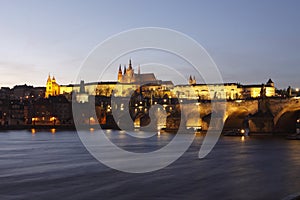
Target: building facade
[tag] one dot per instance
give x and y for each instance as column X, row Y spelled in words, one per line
column 52, row 88
column 228, row 91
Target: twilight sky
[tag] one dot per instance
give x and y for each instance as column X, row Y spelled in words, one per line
column 250, row 41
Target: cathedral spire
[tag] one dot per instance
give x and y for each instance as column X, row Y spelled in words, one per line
column 130, row 66
column 124, row 69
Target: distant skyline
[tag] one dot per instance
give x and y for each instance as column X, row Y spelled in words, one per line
column 250, row 41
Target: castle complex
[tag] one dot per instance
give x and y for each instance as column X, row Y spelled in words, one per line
column 128, row 80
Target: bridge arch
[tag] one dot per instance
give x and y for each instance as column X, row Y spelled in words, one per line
column 235, row 118
column 285, row 121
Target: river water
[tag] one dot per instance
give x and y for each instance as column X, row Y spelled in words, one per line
column 47, row 165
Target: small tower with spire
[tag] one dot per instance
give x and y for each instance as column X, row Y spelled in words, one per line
column 129, row 72
column 270, row 83
column 49, row 78
column 192, row 80
column 130, row 65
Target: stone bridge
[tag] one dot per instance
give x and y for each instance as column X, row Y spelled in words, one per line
column 265, row 115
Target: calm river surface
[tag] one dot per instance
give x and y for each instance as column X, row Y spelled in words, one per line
column 49, row 165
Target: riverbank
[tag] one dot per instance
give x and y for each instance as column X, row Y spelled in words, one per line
column 57, row 127
column 96, row 127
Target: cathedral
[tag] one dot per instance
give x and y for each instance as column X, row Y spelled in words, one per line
column 128, row 75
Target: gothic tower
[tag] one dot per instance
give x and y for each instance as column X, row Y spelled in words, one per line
column 125, row 70
column 120, row 74
column 129, row 71
column 48, row 87
column 192, row 80
column 130, row 65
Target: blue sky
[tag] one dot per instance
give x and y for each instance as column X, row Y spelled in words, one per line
column 250, row 41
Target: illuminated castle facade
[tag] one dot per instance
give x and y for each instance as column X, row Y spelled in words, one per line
column 229, row 91
column 128, row 80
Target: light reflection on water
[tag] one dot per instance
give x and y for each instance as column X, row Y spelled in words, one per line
column 243, row 138
column 53, row 130
column 33, row 131
column 57, row 167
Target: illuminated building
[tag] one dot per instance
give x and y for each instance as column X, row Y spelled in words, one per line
column 129, row 81
column 128, row 76
column 254, row 91
column 206, row 92
column 52, row 88
column 229, row 91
